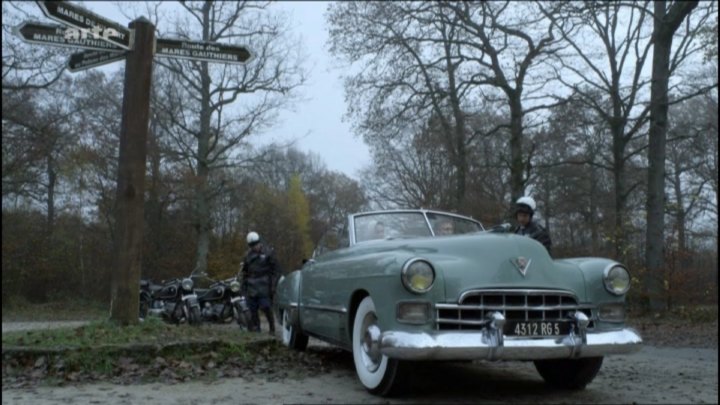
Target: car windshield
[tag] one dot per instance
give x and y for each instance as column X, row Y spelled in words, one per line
column 392, row 225
column 444, row 225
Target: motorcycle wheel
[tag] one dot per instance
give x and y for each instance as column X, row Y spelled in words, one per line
column 194, row 317
column 143, row 310
column 242, row 317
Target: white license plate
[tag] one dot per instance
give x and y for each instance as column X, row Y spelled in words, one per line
column 537, row 328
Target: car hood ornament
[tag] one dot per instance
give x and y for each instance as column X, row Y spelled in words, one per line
column 522, row 264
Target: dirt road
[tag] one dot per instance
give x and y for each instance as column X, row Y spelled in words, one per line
column 653, row 375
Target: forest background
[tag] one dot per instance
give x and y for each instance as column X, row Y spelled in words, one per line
column 464, row 106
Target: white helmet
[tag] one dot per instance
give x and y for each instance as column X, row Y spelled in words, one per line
column 253, row 238
column 525, row 204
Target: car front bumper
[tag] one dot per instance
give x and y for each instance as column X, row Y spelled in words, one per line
column 490, row 344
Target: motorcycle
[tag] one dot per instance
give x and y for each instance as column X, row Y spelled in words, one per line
column 223, row 302
column 174, row 300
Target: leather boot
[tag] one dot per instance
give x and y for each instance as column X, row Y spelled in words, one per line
column 254, row 322
column 271, row 319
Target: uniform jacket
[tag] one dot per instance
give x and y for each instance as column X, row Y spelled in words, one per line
column 260, row 272
column 536, row 232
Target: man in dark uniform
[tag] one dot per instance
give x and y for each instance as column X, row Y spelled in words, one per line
column 524, row 210
column 259, row 276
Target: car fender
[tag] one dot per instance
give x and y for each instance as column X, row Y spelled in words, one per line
column 287, row 295
column 593, row 269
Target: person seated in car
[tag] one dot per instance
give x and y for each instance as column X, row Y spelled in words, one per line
column 445, row 227
column 379, row 231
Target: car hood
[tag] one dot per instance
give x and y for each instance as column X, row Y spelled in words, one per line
column 488, row 260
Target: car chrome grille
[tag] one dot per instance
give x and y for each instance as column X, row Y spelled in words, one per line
column 516, row 305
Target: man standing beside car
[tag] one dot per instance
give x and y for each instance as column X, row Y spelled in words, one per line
column 260, row 273
column 524, row 211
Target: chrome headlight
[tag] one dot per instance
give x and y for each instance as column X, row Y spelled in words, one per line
column 187, row 284
column 235, row 286
column 616, row 279
column 418, row 275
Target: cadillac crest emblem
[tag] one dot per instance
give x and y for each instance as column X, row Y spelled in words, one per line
column 522, row 264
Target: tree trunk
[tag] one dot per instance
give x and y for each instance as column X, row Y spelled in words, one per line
column 202, row 199
column 124, row 292
column 664, row 27
column 52, row 180
column 594, row 234
column 517, row 183
column 154, row 206
column 680, row 218
column 619, row 185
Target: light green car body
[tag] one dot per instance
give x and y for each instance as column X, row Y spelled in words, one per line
column 323, row 296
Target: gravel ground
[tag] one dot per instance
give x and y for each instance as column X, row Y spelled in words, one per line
column 676, row 366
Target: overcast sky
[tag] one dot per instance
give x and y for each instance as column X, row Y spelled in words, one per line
column 316, row 123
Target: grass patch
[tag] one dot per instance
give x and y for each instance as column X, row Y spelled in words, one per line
column 150, row 351
column 22, row 311
column 105, row 333
column 690, row 314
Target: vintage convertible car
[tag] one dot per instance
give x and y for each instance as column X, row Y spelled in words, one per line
column 406, row 285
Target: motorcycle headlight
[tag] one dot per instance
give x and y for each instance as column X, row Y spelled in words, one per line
column 616, row 279
column 187, row 284
column 235, row 286
column 418, row 275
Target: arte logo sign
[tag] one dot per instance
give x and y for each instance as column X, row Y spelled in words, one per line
column 93, row 33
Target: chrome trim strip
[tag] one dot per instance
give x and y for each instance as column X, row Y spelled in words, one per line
column 461, row 322
column 507, row 291
column 512, row 307
column 327, row 308
column 351, row 229
column 466, row 345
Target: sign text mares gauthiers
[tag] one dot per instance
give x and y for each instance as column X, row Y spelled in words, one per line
column 196, row 50
column 84, row 19
column 55, row 35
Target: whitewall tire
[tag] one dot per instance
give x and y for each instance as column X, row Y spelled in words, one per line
column 377, row 373
column 290, row 336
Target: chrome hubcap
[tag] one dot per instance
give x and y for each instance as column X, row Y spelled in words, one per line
column 286, row 327
column 370, row 343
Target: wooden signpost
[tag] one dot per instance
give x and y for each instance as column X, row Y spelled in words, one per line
column 107, row 41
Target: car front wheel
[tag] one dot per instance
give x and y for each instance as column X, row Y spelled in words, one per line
column 379, row 374
column 290, row 336
column 573, row 374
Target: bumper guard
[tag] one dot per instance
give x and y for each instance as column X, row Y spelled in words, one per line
column 490, row 343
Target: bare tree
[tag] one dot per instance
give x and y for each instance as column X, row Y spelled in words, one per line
column 209, row 110
column 510, row 44
column 411, row 173
column 26, row 66
column 413, row 72
column 666, row 22
column 38, row 137
column 612, row 84
column 686, row 187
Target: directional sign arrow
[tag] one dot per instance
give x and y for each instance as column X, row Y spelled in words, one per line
column 48, row 34
column 89, row 59
column 87, row 21
column 204, row 51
